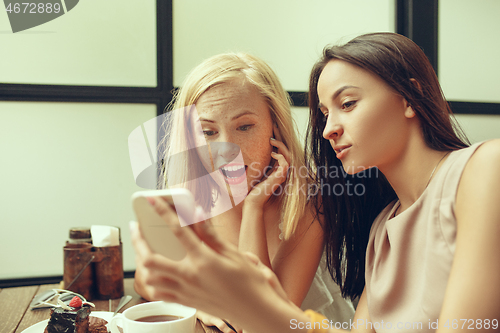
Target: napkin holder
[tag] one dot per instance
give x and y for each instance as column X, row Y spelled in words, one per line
column 78, row 269
column 95, row 272
column 108, row 272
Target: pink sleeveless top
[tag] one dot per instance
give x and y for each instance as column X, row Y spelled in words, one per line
column 409, row 257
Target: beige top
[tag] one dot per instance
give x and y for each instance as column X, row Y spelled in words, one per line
column 409, row 257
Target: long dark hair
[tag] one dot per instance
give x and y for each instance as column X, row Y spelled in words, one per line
column 348, row 217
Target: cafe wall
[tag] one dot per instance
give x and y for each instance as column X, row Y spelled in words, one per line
column 468, row 65
column 66, row 164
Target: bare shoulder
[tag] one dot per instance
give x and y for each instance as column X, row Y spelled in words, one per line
column 487, row 154
column 309, row 229
column 310, row 219
column 484, row 163
column 479, row 190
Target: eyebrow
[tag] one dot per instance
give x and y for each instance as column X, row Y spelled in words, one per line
column 239, row 115
column 338, row 92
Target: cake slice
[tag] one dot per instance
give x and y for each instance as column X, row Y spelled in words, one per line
column 98, row 325
column 74, row 318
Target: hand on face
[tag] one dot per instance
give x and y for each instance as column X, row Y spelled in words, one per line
column 215, row 278
column 272, row 180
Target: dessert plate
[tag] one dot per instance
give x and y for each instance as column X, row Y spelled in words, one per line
column 40, row 327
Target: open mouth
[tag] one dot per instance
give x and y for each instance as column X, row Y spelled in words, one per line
column 233, row 173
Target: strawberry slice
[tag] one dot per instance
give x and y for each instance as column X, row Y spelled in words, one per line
column 75, row 302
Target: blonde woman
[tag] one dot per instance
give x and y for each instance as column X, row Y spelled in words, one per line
column 239, row 105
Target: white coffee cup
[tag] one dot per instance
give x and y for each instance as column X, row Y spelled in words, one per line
column 129, row 324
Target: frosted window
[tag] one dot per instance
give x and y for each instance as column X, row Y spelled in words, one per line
column 480, row 127
column 63, row 165
column 288, row 34
column 103, row 43
column 469, row 50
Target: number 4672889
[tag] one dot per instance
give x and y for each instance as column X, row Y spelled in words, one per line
column 472, row 324
column 33, row 8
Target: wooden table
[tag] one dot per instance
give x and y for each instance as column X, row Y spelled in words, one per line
column 15, row 315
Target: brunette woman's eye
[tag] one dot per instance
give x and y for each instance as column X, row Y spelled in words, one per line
column 348, row 105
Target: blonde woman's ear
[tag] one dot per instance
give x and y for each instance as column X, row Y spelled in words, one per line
column 276, row 132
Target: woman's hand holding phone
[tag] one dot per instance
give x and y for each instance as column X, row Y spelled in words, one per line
column 213, row 277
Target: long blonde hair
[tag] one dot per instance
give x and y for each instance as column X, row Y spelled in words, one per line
column 224, row 68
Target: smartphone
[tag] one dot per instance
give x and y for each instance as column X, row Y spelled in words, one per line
column 154, row 229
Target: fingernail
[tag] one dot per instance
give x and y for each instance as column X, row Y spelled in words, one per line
column 273, row 139
column 151, row 201
column 273, row 153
